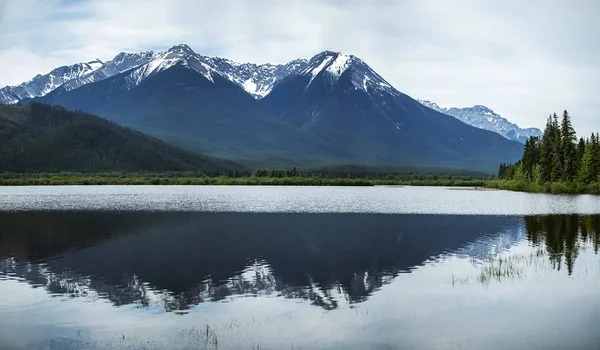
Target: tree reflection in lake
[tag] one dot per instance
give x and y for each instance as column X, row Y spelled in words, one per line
column 563, row 235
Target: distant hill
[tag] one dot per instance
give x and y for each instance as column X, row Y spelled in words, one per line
column 43, row 138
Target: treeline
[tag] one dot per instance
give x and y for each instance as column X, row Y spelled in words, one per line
column 557, row 162
column 200, row 180
column 269, row 177
column 369, row 175
column 194, row 179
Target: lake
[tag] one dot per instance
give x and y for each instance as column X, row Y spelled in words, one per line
column 155, row 267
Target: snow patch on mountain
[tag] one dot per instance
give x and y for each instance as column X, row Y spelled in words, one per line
column 256, row 79
column 339, row 65
column 319, row 68
column 483, row 117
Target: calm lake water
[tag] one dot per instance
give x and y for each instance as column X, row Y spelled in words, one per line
column 161, row 267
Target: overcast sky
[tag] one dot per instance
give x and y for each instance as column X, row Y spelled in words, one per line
column 523, row 59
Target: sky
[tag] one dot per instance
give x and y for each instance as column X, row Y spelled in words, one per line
column 523, row 59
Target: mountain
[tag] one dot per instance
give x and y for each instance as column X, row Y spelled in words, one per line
column 484, row 118
column 340, row 98
column 42, row 138
column 331, row 110
column 181, row 99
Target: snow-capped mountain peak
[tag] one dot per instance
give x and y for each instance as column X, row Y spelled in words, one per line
column 182, row 48
column 180, row 54
column 485, row 118
column 332, row 65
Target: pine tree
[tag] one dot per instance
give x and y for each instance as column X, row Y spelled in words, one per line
column 583, row 174
column 557, row 164
column 546, row 152
column 580, row 150
column 530, row 157
column 593, row 160
column 502, row 171
column 568, row 148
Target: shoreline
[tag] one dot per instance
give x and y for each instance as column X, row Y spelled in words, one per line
column 548, row 188
column 459, row 184
column 218, row 181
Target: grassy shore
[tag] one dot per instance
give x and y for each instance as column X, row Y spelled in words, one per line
column 551, row 187
column 139, row 179
column 246, row 181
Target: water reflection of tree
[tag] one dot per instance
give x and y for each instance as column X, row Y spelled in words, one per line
column 563, row 236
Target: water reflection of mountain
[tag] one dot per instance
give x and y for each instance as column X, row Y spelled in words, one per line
column 177, row 260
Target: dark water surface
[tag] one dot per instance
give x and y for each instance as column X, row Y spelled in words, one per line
column 340, row 278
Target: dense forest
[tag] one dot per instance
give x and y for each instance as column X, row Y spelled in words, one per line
column 557, row 162
column 42, row 138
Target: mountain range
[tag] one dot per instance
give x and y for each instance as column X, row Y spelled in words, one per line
column 483, row 117
column 331, row 109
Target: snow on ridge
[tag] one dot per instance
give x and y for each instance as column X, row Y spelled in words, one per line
column 41, row 85
column 339, row 65
column 166, row 61
column 95, row 64
column 316, row 70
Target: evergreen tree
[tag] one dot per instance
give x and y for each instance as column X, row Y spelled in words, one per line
column 530, row 157
column 593, row 160
column 557, row 156
column 583, row 174
column 580, row 150
column 502, row 171
column 568, row 148
column 557, row 172
column 546, row 152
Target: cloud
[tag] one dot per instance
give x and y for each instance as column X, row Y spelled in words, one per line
column 524, row 60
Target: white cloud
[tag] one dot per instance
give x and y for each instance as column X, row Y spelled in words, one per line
column 524, row 60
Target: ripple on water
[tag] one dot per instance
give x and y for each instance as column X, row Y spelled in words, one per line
column 284, row 199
